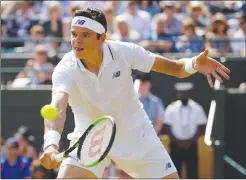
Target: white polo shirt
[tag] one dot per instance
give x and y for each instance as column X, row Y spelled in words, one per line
column 109, row 93
column 184, row 120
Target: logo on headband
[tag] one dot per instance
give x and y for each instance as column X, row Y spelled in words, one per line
column 80, row 22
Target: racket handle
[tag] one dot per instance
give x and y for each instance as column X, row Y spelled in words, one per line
column 59, row 157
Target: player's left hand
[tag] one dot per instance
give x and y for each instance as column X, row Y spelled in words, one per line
column 209, row 66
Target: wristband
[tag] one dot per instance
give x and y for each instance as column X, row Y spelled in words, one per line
column 189, row 65
column 51, row 137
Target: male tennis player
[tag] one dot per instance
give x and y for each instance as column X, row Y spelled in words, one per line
column 95, row 79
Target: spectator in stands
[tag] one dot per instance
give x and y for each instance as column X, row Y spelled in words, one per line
column 119, row 7
column 173, row 24
column 123, row 32
column 151, row 7
column 138, row 20
column 36, row 37
column 25, row 138
column 198, row 13
column 53, row 27
column 238, row 42
column 21, row 22
column 159, row 42
column 152, row 104
column 66, row 28
column 190, row 42
column 38, row 70
column 3, row 147
column 14, row 166
column 93, row 4
column 109, row 14
column 217, row 39
column 184, row 123
column 66, row 22
column 4, row 29
column 44, row 11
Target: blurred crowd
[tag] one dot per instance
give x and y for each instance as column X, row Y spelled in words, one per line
column 43, row 27
column 159, row 26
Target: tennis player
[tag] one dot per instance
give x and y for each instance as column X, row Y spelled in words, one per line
column 95, row 79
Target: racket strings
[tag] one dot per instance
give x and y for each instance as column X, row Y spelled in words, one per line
column 96, row 142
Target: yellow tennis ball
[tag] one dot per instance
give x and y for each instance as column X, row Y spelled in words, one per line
column 49, row 112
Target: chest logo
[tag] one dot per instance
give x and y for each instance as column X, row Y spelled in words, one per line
column 116, row 74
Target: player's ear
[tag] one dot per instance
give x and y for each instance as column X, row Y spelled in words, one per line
column 103, row 37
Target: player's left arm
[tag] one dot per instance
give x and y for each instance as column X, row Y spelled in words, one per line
column 187, row 66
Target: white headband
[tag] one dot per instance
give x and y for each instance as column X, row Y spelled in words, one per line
column 85, row 22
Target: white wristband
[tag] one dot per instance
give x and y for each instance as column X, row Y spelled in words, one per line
column 189, row 65
column 51, row 137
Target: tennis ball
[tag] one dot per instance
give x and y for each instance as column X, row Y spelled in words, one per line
column 49, row 112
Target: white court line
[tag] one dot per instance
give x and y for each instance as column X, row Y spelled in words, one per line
column 210, row 122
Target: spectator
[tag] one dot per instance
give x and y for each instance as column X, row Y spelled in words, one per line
column 138, row 20
column 238, row 42
column 119, row 7
column 66, row 28
column 109, row 14
column 184, row 122
column 217, row 39
column 92, row 4
column 159, row 42
column 38, row 70
column 173, row 24
column 4, row 30
column 36, row 37
column 44, row 11
column 198, row 13
column 150, row 6
column 123, row 32
column 66, row 22
column 14, row 166
column 24, row 138
column 152, row 104
column 21, row 22
column 53, row 27
column 190, row 42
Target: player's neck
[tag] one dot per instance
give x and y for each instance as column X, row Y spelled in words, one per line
column 93, row 63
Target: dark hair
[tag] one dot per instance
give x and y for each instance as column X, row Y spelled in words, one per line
column 94, row 14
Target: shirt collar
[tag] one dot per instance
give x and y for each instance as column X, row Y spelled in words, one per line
column 107, row 55
column 107, row 58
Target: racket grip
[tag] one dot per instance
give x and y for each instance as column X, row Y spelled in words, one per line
column 59, row 157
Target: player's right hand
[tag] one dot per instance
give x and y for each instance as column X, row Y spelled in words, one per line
column 48, row 158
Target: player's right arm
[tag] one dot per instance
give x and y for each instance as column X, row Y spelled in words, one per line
column 59, row 100
column 62, row 86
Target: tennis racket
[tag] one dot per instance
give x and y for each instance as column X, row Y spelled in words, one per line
column 95, row 144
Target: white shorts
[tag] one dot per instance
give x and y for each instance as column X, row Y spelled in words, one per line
column 139, row 153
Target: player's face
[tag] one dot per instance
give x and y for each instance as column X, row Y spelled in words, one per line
column 84, row 42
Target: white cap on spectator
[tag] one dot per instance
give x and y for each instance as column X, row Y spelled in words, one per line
column 169, row 3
